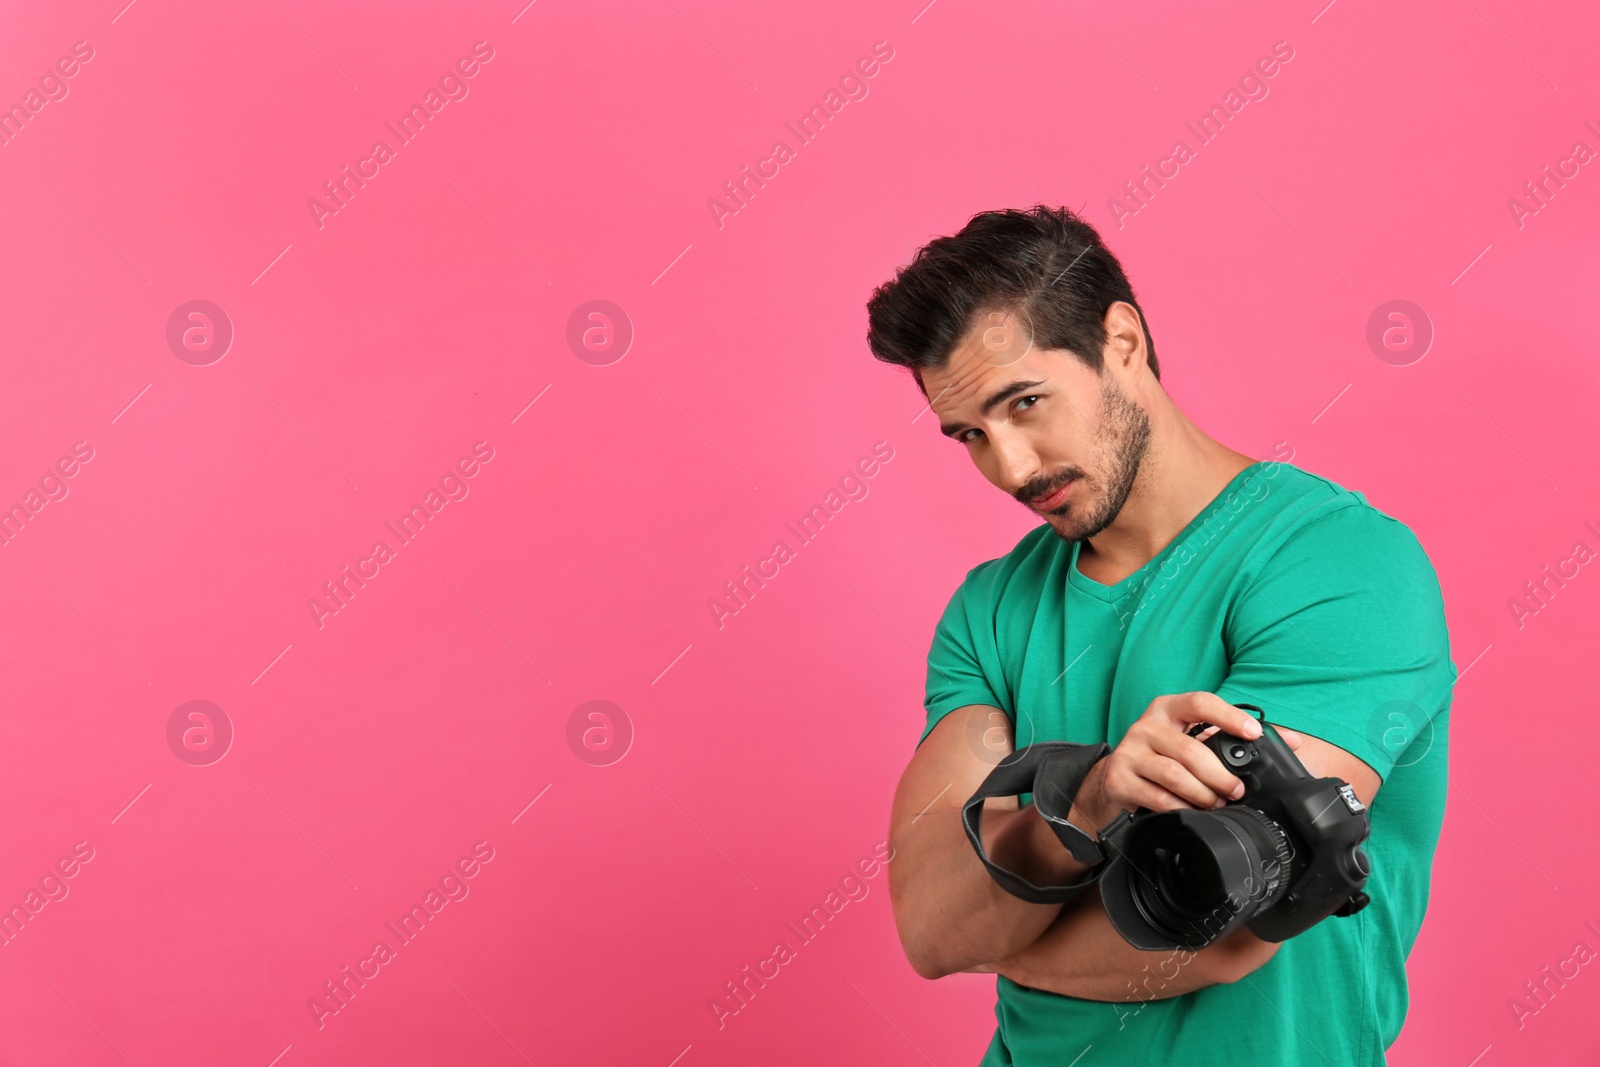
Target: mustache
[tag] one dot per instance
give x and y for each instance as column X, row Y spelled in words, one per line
column 1034, row 490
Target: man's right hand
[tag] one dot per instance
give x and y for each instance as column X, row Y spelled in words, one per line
column 1158, row 766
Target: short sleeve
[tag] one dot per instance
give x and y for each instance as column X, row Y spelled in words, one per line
column 1341, row 634
column 956, row 664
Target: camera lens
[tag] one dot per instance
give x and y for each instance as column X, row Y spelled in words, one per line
column 1183, row 882
column 1186, row 878
column 1237, row 753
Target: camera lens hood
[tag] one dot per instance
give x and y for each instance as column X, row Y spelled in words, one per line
column 1183, row 879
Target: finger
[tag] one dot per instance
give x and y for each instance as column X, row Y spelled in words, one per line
column 1190, row 708
column 1200, row 762
column 1128, row 786
column 1174, row 777
column 1149, row 795
column 1293, row 738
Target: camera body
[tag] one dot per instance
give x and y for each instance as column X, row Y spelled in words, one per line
column 1282, row 858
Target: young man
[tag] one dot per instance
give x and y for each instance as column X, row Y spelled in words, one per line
column 1172, row 578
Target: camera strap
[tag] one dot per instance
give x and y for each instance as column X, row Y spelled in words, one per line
column 1052, row 771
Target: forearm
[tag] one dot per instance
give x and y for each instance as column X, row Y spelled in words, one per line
column 1081, row 955
column 951, row 914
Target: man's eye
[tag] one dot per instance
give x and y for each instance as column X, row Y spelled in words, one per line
column 1021, row 399
column 962, row 437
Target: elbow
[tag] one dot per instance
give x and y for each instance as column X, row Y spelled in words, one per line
column 1229, row 972
column 928, row 953
column 1244, row 960
column 933, row 967
column 919, row 944
column 934, row 953
column 933, row 970
column 925, row 963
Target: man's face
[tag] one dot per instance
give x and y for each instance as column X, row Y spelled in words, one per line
column 1036, row 421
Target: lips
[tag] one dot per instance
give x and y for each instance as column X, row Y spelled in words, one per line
column 1053, row 500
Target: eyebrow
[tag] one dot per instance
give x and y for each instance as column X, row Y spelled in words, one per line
column 995, row 399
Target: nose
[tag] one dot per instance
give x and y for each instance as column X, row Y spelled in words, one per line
column 1016, row 464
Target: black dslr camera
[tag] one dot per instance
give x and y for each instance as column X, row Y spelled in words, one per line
column 1280, row 859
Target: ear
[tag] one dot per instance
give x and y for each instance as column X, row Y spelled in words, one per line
column 1124, row 350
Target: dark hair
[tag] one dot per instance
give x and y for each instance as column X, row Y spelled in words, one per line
column 1045, row 262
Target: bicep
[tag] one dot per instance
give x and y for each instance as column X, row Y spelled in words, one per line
column 950, row 764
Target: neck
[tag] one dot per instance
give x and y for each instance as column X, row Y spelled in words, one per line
column 1183, row 470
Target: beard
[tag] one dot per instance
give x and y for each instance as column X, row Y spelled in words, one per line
column 1094, row 505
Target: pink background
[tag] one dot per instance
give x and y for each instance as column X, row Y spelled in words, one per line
column 372, row 752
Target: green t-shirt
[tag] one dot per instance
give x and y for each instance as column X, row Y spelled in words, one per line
column 1288, row 592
